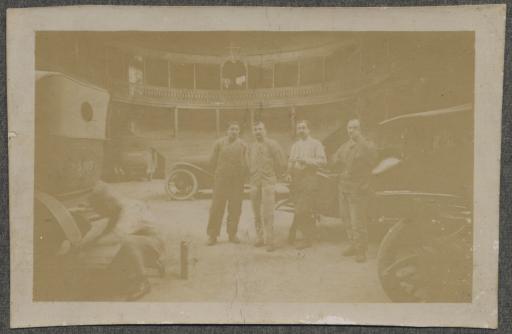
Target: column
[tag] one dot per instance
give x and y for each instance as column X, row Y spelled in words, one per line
column 195, row 76
column 389, row 69
column 298, row 72
column 176, row 121
column 360, row 61
column 293, row 120
column 274, row 75
column 323, row 69
column 107, row 80
column 144, row 80
column 217, row 121
column 221, row 67
column 76, row 51
column 168, row 74
column 246, row 76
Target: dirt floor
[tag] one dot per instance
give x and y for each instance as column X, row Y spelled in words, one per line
column 242, row 273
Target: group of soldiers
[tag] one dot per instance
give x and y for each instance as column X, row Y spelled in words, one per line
column 127, row 229
column 263, row 162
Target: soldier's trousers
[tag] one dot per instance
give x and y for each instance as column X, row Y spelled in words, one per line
column 263, row 200
column 354, row 214
column 228, row 190
column 304, row 193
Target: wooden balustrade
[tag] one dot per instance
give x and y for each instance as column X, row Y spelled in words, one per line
column 268, row 97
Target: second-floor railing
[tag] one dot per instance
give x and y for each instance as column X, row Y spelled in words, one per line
column 267, row 97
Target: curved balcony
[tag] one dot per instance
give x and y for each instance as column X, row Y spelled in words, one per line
column 243, row 98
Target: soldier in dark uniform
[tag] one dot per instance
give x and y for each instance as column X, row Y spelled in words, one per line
column 354, row 160
column 229, row 166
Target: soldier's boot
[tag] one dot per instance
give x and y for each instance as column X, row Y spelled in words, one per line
column 234, row 239
column 212, row 241
column 361, row 257
column 271, row 248
column 307, row 243
column 349, row 251
column 259, row 242
column 360, row 254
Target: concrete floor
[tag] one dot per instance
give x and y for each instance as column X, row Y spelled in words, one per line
column 242, row 273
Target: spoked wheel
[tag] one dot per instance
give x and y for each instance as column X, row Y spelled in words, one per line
column 401, row 269
column 403, row 281
column 181, row 184
column 55, row 275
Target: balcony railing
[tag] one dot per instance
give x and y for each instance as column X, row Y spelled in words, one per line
column 269, row 97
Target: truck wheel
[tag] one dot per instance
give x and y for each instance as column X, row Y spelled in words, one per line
column 181, row 184
column 398, row 265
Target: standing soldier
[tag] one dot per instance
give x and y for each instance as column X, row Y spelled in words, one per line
column 266, row 162
column 354, row 160
column 228, row 163
column 306, row 156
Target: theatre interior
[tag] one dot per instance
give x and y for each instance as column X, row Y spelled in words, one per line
column 173, row 93
column 141, row 111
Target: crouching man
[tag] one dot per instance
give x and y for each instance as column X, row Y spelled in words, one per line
column 130, row 223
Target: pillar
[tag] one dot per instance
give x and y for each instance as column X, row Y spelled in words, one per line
column 217, row 121
column 298, row 72
column 107, row 80
column 168, row 74
column 221, row 68
column 144, row 79
column 246, row 76
column 293, row 120
column 323, row 69
column 274, row 75
column 176, row 121
column 195, row 76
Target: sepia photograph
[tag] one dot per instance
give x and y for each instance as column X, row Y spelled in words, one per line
column 255, row 166
column 259, row 166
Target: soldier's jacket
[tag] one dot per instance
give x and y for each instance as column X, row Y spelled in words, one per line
column 354, row 162
column 228, row 158
column 265, row 161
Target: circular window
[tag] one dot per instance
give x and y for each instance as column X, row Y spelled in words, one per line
column 86, row 111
